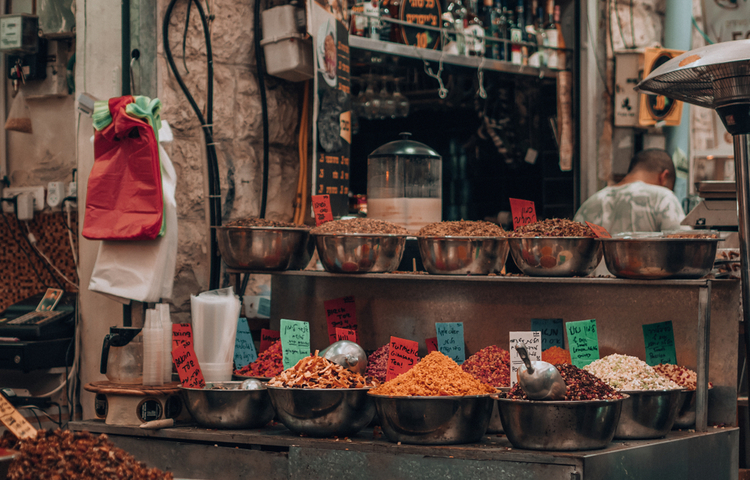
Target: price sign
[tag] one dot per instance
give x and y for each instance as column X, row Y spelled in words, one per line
column 432, row 344
column 264, row 307
column 659, row 341
column 14, row 421
column 295, row 341
column 420, row 12
column 268, row 338
column 322, row 209
column 598, row 230
column 187, row 366
column 346, row 334
column 583, row 341
column 450, row 340
column 523, row 212
column 244, row 348
column 340, row 313
column 181, row 333
column 402, row 355
column 552, row 331
column 533, row 342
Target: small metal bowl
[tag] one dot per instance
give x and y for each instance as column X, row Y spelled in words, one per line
column 686, row 413
column 656, row 257
column 323, row 412
column 228, row 407
column 556, row 256
column 360, row 253
column 648, row 413
column 264, row 248
column 463, row 255
column 434, row 420
column 559, row 425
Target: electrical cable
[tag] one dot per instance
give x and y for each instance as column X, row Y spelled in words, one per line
column 47, row 262
column 632, row 26
column 184, row 37
column 31, row 409
column 20, row 247
column 299, row 207
column 260, row 62
column 44, row 264
column 619, row 27
column 703, row 34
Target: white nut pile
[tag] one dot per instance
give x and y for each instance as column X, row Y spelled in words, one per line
column 624, row 372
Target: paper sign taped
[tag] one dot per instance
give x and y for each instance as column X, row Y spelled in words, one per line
column 244, row 348
column 432, row 344
column 553, row 332
column 583, row 342
column 658, row 339
column 181, row 333
column 295, row 341
column 450, row 339
column 187, row 366
column 340, row 313
column 268, row 338
column 322, row 209
column 523, row 212
column 346, row 334
column 598, row 230
column 402, row 355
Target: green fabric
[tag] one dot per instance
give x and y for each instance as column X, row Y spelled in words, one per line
column 101, row 116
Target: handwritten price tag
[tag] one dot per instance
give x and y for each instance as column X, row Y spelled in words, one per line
column 187, row 366
column 553, row 334
column 346, row 334
column 268, row 338
column 450, row 339
column 659, row 341
column 583, row 341
column 432, row 344
column 402, row 355
column 523, row 212
column 533, row 342
column 295, row 341
column 14, row 421
column 598, row 230
column 340, row 313
column 181, row 333
column 244, row 348
column 322, row 209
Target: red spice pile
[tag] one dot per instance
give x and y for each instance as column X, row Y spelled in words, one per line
column 377, row 363
column 556, row 355
column 582, row 385
column 269, row 363
column 491, row 365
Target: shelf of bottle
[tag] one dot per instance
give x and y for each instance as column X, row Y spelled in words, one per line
column 409, row 51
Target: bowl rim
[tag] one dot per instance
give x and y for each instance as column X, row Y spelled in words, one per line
column 552, row 238
column 300, row 228
column 430, row 397
column 401, row 235
column 660, row 391
column 496, row 396
column 234, row 382
column 298, row 389
column 659, row 240
column 246, row 377
column 460, row 237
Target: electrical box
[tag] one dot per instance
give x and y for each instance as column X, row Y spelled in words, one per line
column 658, row 108
column 28, row 67
column 19, row 34
column 628, row 72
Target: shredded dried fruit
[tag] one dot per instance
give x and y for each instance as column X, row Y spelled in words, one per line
column 556, row 355
column 463, row 228
column 491, row 365
column 624, row 372
column 377, row 363
column 268, row 364
column 682, row 376
column 360, row 225
column 553, row 227
column 261, row 222
column 318, row 372
column 581, row 384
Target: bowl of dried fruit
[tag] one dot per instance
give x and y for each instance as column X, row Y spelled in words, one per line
column 462, row 248
column 258, row 244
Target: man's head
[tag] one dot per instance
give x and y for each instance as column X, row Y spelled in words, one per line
column 653, row 166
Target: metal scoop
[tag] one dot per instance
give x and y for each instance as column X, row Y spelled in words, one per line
column 539, row 380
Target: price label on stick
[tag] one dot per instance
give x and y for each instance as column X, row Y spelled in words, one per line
column 659, row 341
column 295, row 341
column 244, row 348
column 523, row 212
column 322, row 209
column 598, row 230
column 187, row 366
column 552, row 331
column 583, row 341
column 402, row 355
column 346, row 334
column 450, row 340
column 340, row 313
column 14, row 421
column 432, row 344
column 268, row 338
column 533, row 342
column 181, row 333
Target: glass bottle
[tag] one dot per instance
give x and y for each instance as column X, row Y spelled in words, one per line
column 552, row 31
column 454, row 20
column 541, row 37
column 516, row 36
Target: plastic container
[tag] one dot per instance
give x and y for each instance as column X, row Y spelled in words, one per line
column 162, row 310
column 214, row 320
column 217, row 372
column 288, row 51
column 153, row 349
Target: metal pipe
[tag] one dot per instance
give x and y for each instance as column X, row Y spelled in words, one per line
column 703, row 352
column 125, row 51
column 742, row 176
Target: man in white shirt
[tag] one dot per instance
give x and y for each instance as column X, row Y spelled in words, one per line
column 642, row 202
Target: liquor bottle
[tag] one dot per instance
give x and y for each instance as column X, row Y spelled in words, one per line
column 541, row 37
column 499, row 30
column 518, row 51
column 555, row 58
column 455, row 19
column 372, row 9
column 474, row 30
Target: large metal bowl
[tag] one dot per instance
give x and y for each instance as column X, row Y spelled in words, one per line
column 360, row 253
column 463, row 255
column 264, row 248
column 651, row 258
column 686, row 414
column 228, row 406
column 648, row 413
column 434, row 420
column 556, row 256
column 563, row 425
column 323, row 412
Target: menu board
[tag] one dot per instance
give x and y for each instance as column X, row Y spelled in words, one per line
column 420, row 12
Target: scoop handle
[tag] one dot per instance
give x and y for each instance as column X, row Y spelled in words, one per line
column 521, row 349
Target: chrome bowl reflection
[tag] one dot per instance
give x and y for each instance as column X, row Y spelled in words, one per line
column 228, row 406
column 463, row 255
column 648, row 413
column 264, row 248
column 559, row 425
column 556, row 256
column 656, row 257
column 434, row 420
column 323, row 412
column 686, row 413
column 360, row 253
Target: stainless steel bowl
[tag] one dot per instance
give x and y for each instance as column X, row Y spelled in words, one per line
column 556, row 256
column 559, row 425
column 264, row 248
column 496, row 424
column 360, row 253
column 686, row 413
column 648, row 413
column 323, row 412
column 228, row 407
column 6, row 458
column 463, row 255
column 434, row 420
column 649, row 258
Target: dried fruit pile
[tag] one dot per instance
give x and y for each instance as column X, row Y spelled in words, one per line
column 260, row 222
column 682, row 376
column 553, row 227
column 318, row 372
column 360, row 225
column 581, row 386
column 377, row 363
column 268, row 364
column 624, row 372
column 491, row 365
column 463, row 228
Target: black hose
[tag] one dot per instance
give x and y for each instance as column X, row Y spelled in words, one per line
column 214, row 188
column 260, row 62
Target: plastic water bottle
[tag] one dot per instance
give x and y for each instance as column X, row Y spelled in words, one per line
column 153, row 349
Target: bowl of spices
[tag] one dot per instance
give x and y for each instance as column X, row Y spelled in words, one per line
column 263, row 245
column 555, row 248
column 268, row 364
column 688, row 380
column 434, row 403
column 359, row 245
column 462, row 248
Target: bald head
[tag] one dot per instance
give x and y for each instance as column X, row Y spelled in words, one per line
column 654, row 164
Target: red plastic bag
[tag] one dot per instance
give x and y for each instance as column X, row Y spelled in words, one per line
column 124, row 197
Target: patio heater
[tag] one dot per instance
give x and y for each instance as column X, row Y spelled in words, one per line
column 718, row 77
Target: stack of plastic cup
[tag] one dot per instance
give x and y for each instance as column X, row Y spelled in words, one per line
column 214, row 316
column 162, row 310
column 153, row 350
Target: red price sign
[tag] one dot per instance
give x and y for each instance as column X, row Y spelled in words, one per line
column 268, row 338
column 432, row 344
column 340, row 313
column 346, row 334
column 181, row 333
column 402, row 355
column 187, row 366
column 599, row 231
column 322, row 209
column 523, row 212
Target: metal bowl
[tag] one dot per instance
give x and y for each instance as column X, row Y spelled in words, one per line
column 434, row 420
column 686, row 414
column 264, row 248
column 650, row 258
column 496, row 423
column 228, row 407
column 559, row 425
column 6, row 458
column 463, row 255
column 360, row 253
column 323, row 412
column 556, row 256
column 648, row 413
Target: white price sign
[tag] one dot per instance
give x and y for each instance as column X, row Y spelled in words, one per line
column 533, row 341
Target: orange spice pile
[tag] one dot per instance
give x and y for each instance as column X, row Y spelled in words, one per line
column 556, row 356
column 435, row 375
column 318, row 372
